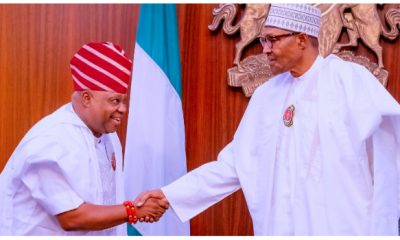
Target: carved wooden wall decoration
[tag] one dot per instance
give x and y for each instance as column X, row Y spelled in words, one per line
column 360, row 21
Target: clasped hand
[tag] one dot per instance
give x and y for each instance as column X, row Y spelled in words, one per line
column 151, row 205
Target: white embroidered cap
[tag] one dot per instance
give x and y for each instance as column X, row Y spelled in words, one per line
column 295, row 17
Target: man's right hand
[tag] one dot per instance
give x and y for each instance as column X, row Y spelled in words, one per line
column 151, row 205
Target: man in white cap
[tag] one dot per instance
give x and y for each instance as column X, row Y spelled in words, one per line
column 318, row 149
column 64, row 178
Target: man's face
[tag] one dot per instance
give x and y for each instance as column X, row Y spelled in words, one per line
column 283, row 53
column 105, row 111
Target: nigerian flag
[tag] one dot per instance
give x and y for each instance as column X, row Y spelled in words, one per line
column 155, row 143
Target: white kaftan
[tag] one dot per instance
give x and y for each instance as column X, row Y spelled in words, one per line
column 334, row 172
column 57, row 166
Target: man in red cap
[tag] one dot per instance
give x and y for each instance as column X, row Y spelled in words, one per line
column 64, row 178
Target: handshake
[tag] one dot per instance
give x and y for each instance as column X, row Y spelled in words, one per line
column 151, row 205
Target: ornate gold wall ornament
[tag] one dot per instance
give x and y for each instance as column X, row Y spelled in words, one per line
column 250, row 25
column 255, row 71
column 362, row 60
column 361, row 21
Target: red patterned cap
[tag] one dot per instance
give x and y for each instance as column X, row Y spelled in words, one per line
column 102, row 67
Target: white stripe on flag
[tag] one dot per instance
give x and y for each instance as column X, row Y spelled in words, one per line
column 155, row 142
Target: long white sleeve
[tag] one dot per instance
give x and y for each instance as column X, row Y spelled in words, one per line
column 204, row 186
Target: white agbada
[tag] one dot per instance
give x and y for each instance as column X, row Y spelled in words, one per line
column 54, row 169
column 334, row 172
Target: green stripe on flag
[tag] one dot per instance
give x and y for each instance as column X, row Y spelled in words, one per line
column 157, row 34
column 132, row 231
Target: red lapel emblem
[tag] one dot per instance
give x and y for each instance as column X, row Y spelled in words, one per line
column 288, row 116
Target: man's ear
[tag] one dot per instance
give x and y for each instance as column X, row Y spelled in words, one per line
column 86, row 98
column 302, row 40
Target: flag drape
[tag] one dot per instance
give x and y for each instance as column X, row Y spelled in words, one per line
column 155, row 143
